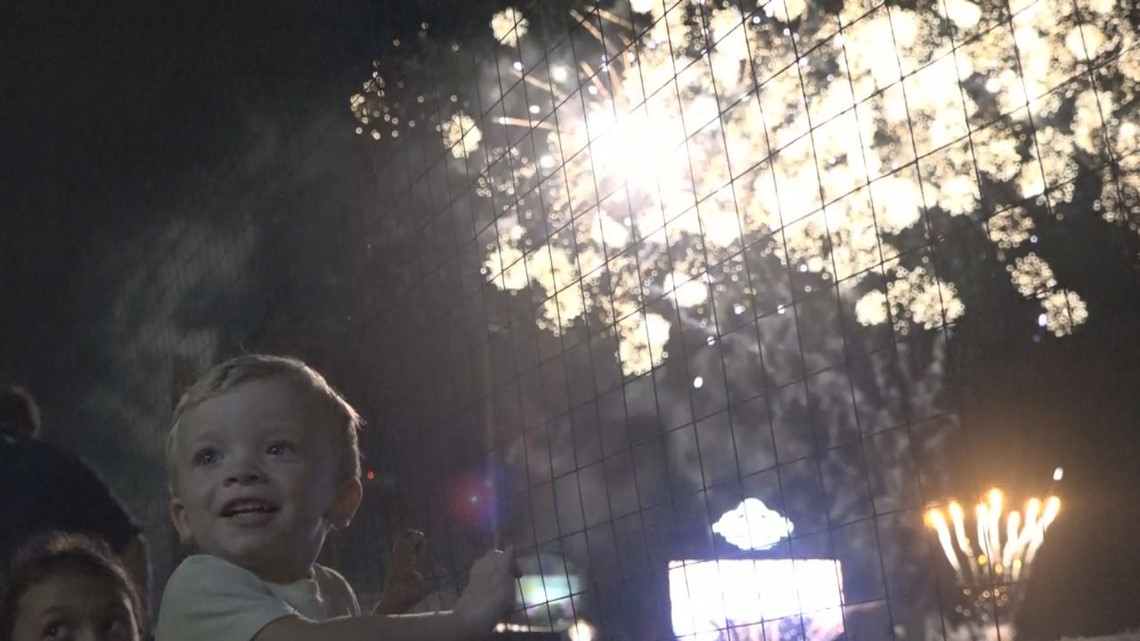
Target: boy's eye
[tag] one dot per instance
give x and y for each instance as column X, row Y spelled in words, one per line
column 278, row 448
column 205, row 456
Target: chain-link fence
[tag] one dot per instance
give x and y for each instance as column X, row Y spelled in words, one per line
column 727, row 315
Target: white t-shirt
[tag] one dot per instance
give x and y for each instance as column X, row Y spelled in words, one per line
column 209, row 599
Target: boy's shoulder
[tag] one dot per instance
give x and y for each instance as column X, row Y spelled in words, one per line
column 205, row 565
column 210, row 598
column 201, row 576
column 205, row 579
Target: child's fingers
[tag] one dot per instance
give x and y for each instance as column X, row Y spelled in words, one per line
column 409, row 540
column 407, row 547
column 498, row 562
column 512, row 563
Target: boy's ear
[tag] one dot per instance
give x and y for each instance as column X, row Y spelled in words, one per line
column 345, row 503
column 181, row 521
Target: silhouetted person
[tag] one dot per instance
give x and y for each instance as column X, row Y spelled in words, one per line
column 44, row 488
column 19, row 414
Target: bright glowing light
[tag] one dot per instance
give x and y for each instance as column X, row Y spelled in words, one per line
column 508, row 26
column 538, row 591
column 644, row 6
column 1032, row 275
column 752, row 597
column 872, row 308
column 993, row 526
column 698, row 382
column 1012, row 524
column 1058, row 474
column 958, row 517
column 938, row 521
column 963, row 13
column 847, row 153
column 783, row 10
column 688, row 293
column 923, row 299
column 1052, row 509
column 999, row 568
column 753, row 526
column 461, row 135
column 629, row 137
column 1064, row 311
column 581, row 630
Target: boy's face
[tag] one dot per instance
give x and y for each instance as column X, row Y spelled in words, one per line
column 255, row 480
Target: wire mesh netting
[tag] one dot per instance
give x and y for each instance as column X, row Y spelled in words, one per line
column 738, row 320
column 703, row 262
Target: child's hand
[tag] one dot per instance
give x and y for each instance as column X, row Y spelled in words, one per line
column 404, row 586
column 490, row 592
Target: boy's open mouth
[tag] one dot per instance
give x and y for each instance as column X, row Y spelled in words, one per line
column 238, row 507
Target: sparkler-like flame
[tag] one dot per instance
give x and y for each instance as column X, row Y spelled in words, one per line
column 993, row 572
column 829, row 141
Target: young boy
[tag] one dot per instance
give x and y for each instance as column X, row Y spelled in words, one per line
column 264, row 462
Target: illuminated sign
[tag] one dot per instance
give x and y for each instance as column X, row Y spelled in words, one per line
column 759, row 599
column 753, row 526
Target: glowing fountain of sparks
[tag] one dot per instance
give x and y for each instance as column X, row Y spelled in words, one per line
column 992, row 568
column 676, row 137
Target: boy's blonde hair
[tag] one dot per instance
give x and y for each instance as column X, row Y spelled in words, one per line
column 253, row 367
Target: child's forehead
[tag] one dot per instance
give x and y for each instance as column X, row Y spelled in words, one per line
column 255, row 404
column 263, row 396
column 68, row 585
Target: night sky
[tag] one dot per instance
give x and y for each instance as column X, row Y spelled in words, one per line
column 121, row 123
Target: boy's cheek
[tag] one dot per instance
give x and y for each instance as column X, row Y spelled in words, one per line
column 195, row 484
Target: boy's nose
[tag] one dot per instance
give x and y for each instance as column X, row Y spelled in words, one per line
column 245, row 474
column 244, row 470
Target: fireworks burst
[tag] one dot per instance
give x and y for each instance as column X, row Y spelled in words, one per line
column 991, row 569
column 637, row 171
